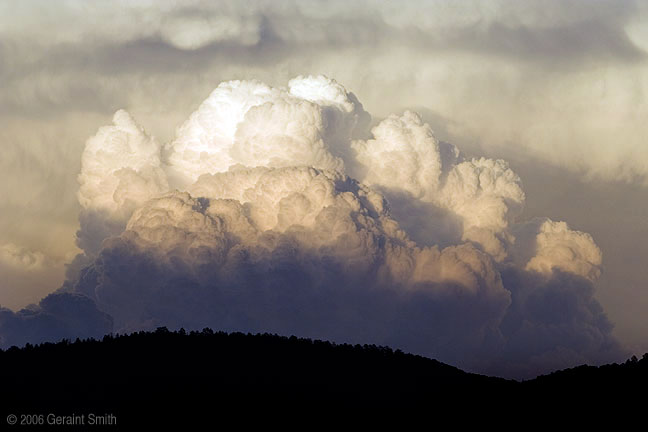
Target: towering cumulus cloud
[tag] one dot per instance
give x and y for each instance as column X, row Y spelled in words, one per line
column 405, row 160
column 120, row 170
column 250, row 123
column 277, row 209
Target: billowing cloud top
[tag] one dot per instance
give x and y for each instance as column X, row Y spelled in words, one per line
column 405, row 157
column 276, row 209
column 252, row 124
column 572, row 251
column 120, row 167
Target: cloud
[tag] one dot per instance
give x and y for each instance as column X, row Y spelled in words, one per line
column 404, row 158
column 192, row 29
column 244, row 122
column 324, row 261
column 15, row 256
column 275, row 209
column 565, row 74
column 558, row 247
column 556, row 88
column 553, row 321
column 120, row 167
column 27, row 275
column 57, row 316
column 120, row 170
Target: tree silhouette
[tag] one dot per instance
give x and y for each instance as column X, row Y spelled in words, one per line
column 142, row 374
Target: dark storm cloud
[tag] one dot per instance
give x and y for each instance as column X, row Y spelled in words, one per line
column 552, row 322
column 57, row 316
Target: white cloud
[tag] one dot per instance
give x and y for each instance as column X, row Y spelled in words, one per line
column 253, row 124
column 558, row 247
column 404, row 157
column 120, row 167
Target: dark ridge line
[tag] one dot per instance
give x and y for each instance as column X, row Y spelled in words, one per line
column 372, row 348
column 138, row 375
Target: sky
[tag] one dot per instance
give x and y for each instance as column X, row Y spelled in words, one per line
column 482, row 162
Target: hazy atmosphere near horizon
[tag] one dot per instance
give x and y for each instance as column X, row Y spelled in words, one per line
column 466, row 180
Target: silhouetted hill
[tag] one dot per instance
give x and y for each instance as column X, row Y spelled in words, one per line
column 165, row 376
column 620, row 379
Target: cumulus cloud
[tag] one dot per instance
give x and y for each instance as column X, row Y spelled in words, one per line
column 244, row 122
column 405, row 158
column 275, row 209
column 553, row 321
column 120, row 167
column 320, row 257
column 556, row 247
column 120, row 170
column 57, row 316
column 550, row 86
